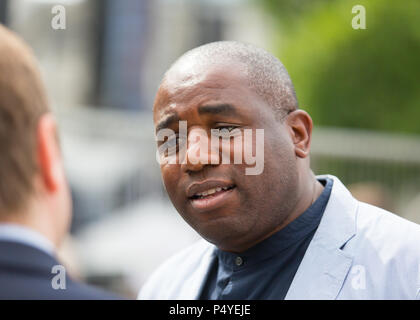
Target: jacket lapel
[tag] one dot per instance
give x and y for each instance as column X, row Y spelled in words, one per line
column 192, row 286
column 325, row 265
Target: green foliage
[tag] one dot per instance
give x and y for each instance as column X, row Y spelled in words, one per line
column 353, row 78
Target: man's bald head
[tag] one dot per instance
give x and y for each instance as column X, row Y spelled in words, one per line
column 265, row 73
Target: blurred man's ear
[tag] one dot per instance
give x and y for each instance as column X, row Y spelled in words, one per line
column 300, row 124
column 48, row 153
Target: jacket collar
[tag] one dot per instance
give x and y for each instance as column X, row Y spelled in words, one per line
column 193, row 285
column 19, row 256
column 325, row 265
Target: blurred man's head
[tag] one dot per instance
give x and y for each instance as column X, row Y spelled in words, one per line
column 33, row 188
column 235, row 86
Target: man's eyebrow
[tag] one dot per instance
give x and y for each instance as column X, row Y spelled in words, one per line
column 167, row 121
column 224, row 108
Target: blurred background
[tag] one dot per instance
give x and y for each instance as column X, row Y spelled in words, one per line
column 362, row 88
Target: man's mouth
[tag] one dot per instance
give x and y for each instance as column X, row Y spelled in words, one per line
column 210, row 194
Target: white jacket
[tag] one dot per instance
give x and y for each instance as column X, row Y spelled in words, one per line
column 358, row 252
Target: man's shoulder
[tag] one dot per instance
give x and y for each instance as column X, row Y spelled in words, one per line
column 385, row 253
column 385, row 223
column 29, row 286
column 82, row 291
column 386, row 233
column 180, row 266
column 27, row 272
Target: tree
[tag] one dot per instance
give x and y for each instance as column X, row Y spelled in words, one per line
column 352, row 78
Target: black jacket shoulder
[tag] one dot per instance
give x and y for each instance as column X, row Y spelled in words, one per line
column 29, row 273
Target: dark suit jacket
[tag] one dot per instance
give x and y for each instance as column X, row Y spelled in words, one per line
column 26, row 273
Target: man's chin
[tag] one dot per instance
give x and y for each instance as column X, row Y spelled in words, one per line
column 221, row 229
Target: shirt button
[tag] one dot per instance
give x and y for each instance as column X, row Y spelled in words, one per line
column 239, row 261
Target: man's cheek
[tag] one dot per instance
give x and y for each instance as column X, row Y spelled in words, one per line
column 168, row 183
column 172, row 186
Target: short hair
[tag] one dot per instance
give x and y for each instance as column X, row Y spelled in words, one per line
column 22, row 102
column 265, row 73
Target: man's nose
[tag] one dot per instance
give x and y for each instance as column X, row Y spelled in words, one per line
column 199, row 152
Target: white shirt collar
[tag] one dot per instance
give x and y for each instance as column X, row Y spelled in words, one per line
column 21, row 234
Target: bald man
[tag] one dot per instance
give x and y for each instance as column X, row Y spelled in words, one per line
column 276, row 233
column 35, row 203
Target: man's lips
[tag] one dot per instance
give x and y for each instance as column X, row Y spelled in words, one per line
column 207, row 187
column 209, row 194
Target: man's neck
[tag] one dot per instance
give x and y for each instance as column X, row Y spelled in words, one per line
column 19, row 233
column 35, row 219
column 307, row 196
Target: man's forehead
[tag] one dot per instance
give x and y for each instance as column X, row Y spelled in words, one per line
column 164, row 111
column 202, row 74
column 183, row 85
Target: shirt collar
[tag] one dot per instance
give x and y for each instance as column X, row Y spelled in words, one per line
column 282, row 239
column 18, row 233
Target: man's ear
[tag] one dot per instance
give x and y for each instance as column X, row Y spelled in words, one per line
column 300, row 128
column 48, row 152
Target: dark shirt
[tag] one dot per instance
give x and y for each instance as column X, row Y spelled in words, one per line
column 266, row 270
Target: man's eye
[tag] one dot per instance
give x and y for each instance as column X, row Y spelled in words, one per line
column 228, row 128
column 172, row 141
column 227, row 131
column 175, row 141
